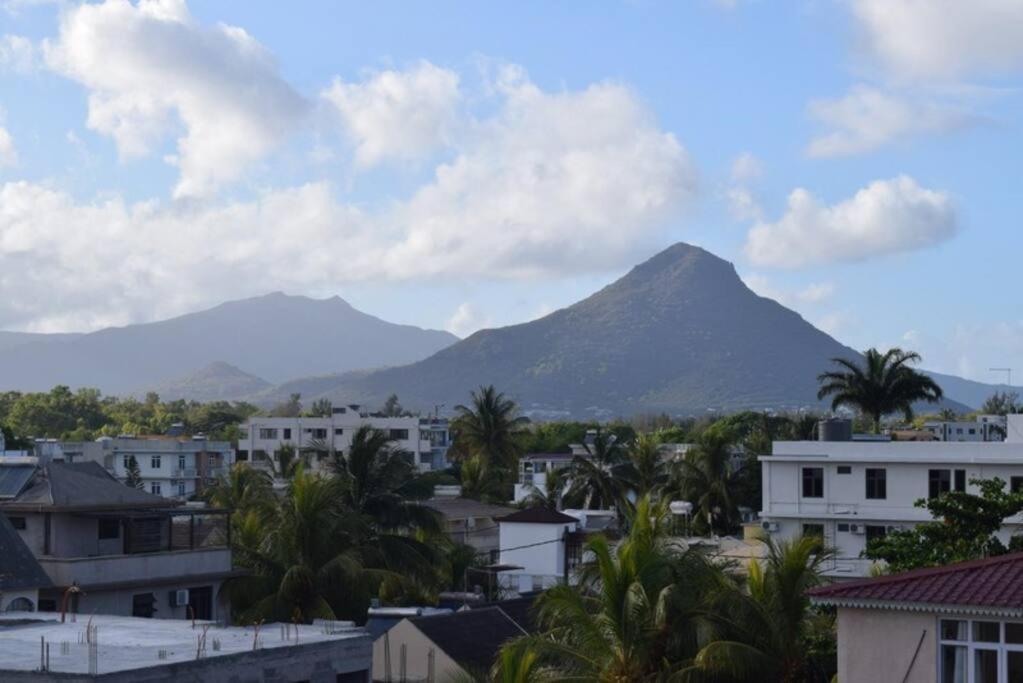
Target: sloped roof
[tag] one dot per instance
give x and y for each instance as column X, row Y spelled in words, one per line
column 19, row 569
column 462, row 508
column 538, row 515
column 993, row 583
column 471, row 637
column 81, row 486
column 519, row 610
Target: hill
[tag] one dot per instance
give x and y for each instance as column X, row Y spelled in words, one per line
column 679, row 333
column 218, row 381
column 275, row 337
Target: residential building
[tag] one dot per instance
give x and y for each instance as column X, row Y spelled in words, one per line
column 962, row 623
column 171, row 467
column 118, row 649
column 851, row 491
column 21, row 577
column 539, row 548
column 111, row 549
column 469, row 521
column 984, row 428
column 533, row 470
column 427, row 439
column 443, row 647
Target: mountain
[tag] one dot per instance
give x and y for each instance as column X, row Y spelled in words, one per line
column 275, row 337
column 216, row 382
column 968, row 391
column 680, row 333
column 12, row 339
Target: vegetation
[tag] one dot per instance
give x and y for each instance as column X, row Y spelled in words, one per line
column 706, row 477
column 963, row 528
column 884, row 383
column 134, row 476
column 599, row 480
column 491, row 429
column 1002, row 403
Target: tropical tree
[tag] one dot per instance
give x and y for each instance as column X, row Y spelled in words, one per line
column 242, row 488
column 134, row 474
column 706, row 477
column 879, row 385
column 491, row 427
column 767, row 625
column 479, row 482
column 600, row 477
column 552, row 495
column 649, row 467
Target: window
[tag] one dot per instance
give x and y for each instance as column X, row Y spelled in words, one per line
column 980, row 651
column 318, row 433
column 339, row 431
column 181, row 462
column 815, row 530
column 843, row 527
column 398, row 435
column 844, row 469
column 813, row 482
column 109, row 529
column 143, row 605
column 154, row 462
column 242, row 456
column 874, row 532
column 181, row 489
column 268, row 433
column 959, row 430
column 17, row 522
column 973, row 430
column 287, row 433
column 877, row 483
column 960, row 480
column 154, row 488
column 127, row 462
column 938, row 482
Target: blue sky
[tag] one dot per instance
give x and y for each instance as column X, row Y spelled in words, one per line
column 462, row 165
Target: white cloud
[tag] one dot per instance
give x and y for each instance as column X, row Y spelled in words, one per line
column 398, row 115
column 467, row 319
column 150, row 65
column 867, row 118
column 17, row 53
column 746, row 167
column 8, row 155
column 742, row 202
column 811, row 294
column 942, row 40
column 530, row 193
column 885, row 217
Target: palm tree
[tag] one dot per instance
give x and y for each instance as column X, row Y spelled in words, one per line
column 478, row 481
column 706, row 477
column 492, row 428
column 883, row 384
column 649, row 469
column 242, row 488
column 599, row 479
column 553, row 493
column 634, row 615
column 770, row 621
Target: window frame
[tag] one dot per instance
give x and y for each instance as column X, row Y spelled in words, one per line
column 879, row 490
column 943, row 481
column 816, row 477
column 972, row 645
column 155, row 462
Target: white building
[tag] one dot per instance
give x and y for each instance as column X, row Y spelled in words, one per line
column 172, row 467
column 854, row 490
column 984, row 428
column 538, row 549
column 426, row 438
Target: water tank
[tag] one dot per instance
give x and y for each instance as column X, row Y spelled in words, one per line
column 834, row 429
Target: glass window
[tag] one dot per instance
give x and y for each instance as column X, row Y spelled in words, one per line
column 155, row 462
column 1014, row 662
column 287, row 433
column 815, row 530
column 181, row 462
column 877, row 483
column 843, row 527
column 813, row 482
column 938, row 482
column 155, row 488
column 874, row 532
column 398, row 435
column 339, row 431
column 844, row 469
column 17, row 522
column 985, row 666
column 269, row 433
column 960, row 480
column 109, row 529
column 1014, row 633
column 952, row 629
column 953, row 664
column 987, row 631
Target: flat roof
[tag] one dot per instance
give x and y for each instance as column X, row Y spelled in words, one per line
column 980, row 452
column 128, row 643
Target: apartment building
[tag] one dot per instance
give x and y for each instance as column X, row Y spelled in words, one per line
column 853, row 490
column 172, row 467
column 427, row 439
column 983, row 428
column 108, row 548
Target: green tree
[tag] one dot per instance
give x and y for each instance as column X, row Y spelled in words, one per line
column 879, row 385
column 491, row 427
column 392, row 407
column 649, row 468
column 321, row 407
column 1002, row 403
column 242, row 488
column 599, row 480
column 964, row 528
column 134, row 476
column 706, row 477
column 290, row 408
column 552, row 495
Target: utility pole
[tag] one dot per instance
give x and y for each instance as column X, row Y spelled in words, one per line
column 1008, row 374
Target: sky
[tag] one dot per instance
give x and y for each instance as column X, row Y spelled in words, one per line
column 464, row 165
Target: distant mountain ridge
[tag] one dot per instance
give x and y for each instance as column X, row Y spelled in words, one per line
column 680, row 333
column 275, row 337
column 217, row 381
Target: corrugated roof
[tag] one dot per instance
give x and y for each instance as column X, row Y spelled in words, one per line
column 538, row 515
column 471, row 637
column 993, row 582
column 81, row 486
column 19, row 569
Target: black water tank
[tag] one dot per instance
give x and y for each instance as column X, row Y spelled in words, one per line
column 834, row 429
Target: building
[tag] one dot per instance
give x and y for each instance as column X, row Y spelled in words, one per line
column 116, row 649
column 427, row 439
column 21, row 577
column 443, row 647
column 984, row 428
column 850, row 491
column 468, row 521
column 539, row 548
column 111, row 549
column 962, row 623
column 533, row 470
column 172, row 467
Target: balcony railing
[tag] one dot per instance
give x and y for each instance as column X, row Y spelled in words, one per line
column 64, row 571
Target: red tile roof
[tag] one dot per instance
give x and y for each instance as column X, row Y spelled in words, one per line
column 993, row 582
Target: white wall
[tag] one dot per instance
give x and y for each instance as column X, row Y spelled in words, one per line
column 878, row 645
column 544, row 558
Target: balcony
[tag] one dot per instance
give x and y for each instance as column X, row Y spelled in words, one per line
column 183, row 474
column 64, row 571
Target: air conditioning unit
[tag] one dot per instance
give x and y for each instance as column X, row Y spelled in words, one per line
column 179, row 598
column 857, row 529
column 769, row 526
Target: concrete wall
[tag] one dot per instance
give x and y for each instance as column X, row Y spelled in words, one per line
column 347, row 661
column 120, row 602
column 8, row 597
column 878, row 645
column 146, row 566
column 417, row 656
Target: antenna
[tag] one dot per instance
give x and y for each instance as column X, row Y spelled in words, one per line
column 1007, row 371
